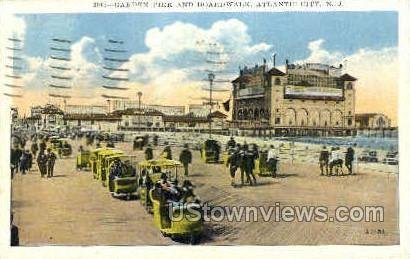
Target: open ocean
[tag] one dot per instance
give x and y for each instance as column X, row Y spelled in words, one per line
column 388, row 144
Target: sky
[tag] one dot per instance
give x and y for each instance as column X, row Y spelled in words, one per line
column 169, row 53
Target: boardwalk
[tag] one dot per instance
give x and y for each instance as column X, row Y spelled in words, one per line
column 74, row 209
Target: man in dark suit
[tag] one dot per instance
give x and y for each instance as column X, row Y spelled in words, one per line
column 186, row 158
column 349, row 159
column 51, row 159
column 324, row 161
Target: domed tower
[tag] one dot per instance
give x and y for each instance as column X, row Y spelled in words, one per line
column 350, row 99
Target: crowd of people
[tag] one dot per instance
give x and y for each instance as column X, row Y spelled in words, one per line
column 171, row 192
column 21, row 159
column 332, row 161
column 242, row 158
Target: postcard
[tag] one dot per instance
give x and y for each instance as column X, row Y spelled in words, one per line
column 191, row 124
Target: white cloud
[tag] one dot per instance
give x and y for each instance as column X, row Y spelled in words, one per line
column 14, row 28
column 178, row 55
column 170, row 71
column 376, row 70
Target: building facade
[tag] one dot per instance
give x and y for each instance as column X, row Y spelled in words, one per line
column 134, row 104
column 85, row 109
column 372, row 121
column 303, row 100
column 132, row 118
column 103, row 122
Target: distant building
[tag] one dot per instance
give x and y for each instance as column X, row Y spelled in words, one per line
column 85, row 109
column 198, row 109
column 165, row 109
column 372, row 121
column 103, row 122
column 48, row 116
column 133, row 118
column 303, row 100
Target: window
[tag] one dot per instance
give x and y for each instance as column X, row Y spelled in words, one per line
column 349, row 122
column 349, row 86
column 277, row 120
column 350, row 113
column 277, row 81
column 277, row 110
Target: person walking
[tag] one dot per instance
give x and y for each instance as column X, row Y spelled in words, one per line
column 34, row 148
column 186, row 158
column 30, row 160
column 246, row 164
column 335, row 161
column 42, row 163
column 234, row 162
column 349, row 158
column 14, row 233
column 149, row 153
column 51, row 159
column 167, row 152
column 155, row 140
column 324, row 161
column 24, row 162
column 254, row 155
column 43, row 146
column 15, row 155
column 272, row 161
column 231, row 143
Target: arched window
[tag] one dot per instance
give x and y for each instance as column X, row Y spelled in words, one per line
column 245, row 114
column 277, row 81
column 240, row 114
column 250, row 114
column 349, row 86
column 262, row 113
column 256, row 114
column 380, row 122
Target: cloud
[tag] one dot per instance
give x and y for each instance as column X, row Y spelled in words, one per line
column 377, row 73
column 172, row 69
column 11, row 37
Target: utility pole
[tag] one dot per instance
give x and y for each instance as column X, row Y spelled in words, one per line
column 139, row 94
column 211, row 77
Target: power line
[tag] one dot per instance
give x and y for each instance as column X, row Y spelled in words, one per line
column 61, row 40
column 115, row 87
column 115, row 78
column 114, row 97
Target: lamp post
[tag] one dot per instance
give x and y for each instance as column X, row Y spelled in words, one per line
column 211, row 77
column 139, row 94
